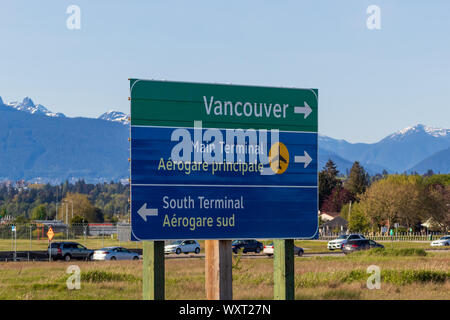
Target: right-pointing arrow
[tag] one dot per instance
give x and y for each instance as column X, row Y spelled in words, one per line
column 306, row 159
column 306, row 110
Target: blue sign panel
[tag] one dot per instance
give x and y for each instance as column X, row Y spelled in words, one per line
column 203, row 181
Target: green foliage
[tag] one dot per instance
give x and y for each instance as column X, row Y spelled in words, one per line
column 358, row 221
column 78, row 220
column 105, row 276
column 406, row 199
column 341, row 294
column 111, row 199
column 328, row 181
column 403, row 252
column 397, row 277
column 39, row 212
column 442, row 179
column 358, row 180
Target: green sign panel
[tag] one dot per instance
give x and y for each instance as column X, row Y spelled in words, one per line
column 161, row 103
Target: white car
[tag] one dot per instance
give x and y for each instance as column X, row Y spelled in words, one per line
column 114, row 253
column 268, row 250
column 182, row 246
column 444, row 241
column 338, row 243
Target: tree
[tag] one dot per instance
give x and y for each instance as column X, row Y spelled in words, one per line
column 327, row 181
column 338, row 197
column 3, row 213
column 358, row 180
column 78, row 220
column 437, row 201
column 396, row 198
column 83, row 207
column 79, row 226
column 39, row 212
column 358, row 221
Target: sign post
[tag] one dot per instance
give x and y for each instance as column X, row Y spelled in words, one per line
column 218, row 270
column 14, row 240
column 283, row 269
column 50, row 235
column 222, row 162
column 153, row 270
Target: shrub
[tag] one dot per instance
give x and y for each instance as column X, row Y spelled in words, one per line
column 104, row 276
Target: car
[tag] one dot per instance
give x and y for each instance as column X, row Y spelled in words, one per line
column 268, row 250
column 67, row 251
column 115, row 253
column 444, row 241
column 246, row 246
column 182, row 246
column 360, row 244
column 342, row 239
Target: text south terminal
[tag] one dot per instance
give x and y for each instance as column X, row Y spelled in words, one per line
column 201, row 202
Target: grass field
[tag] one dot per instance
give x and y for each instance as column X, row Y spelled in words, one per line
column 414, row 276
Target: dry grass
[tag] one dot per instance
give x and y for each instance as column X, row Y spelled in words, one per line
column 316, row 278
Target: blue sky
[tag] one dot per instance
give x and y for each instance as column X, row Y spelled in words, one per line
column 371, row 82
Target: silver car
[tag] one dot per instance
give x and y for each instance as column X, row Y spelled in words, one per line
column 115, row 253
column 182, row 246
column 444, row 241
column 338, row 243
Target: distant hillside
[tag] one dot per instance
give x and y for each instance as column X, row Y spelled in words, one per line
column 34, row 146
column 38, row 144
column 343, row 165
column 396, row 153
column 439, row 162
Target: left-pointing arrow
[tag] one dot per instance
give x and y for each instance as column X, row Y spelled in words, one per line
column 144, row 212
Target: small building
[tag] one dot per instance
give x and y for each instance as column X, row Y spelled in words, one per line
column 328, row 216
column 336, row 225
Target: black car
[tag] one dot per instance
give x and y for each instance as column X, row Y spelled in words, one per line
column 360, row 244
column 246, row 246
column 69, row 250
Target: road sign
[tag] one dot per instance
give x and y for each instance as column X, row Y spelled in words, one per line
column 214, row 161
column 50, row 234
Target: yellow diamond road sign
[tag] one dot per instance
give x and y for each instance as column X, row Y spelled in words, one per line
column 50, row 234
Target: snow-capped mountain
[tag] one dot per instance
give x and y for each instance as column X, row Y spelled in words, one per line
column 398, row 152
column 38, row 143
column 27, row 105
column 115, row 116
column 419, row 128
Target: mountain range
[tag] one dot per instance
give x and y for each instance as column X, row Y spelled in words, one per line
column 37, row 144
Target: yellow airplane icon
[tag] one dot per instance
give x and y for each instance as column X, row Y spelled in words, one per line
column 279, row 158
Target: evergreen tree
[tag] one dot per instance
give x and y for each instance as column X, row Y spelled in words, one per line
column 328, row 181
column 358, row 180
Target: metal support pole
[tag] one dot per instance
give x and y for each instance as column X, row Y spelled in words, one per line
column 153, row 270
column 30, row 242
column 283, row 269
column 218, row 270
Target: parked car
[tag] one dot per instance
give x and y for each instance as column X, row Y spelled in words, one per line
column 360, row 244
column 246, row 246
column 184, row 246
column 444, row 241
column 342, row 239
column 69, row 250
column 115, row 253
column 268, row 249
